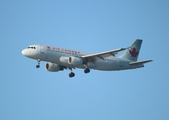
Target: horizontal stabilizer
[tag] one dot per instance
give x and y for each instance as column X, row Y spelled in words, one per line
column 140, row 62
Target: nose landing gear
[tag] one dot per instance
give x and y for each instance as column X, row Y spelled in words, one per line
column 38, row 66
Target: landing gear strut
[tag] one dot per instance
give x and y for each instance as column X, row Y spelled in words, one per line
column 38, row 66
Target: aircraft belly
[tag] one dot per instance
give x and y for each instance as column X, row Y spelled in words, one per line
column 112, row 65
column 103, row 65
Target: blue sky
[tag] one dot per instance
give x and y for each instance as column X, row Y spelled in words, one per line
column 92, row 26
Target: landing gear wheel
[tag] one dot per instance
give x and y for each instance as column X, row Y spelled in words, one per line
column 87, row 70
column 37, row 66
column 71, row 74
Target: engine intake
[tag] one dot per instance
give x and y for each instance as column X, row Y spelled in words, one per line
column 52, row 67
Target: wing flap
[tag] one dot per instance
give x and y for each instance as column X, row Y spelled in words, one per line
column 140, row 62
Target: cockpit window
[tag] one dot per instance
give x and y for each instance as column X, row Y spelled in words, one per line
column 31, row 47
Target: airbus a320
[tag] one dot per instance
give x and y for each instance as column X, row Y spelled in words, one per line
column 59, row 59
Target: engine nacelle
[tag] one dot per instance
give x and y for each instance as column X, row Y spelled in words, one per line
column 75, row 61
column 52, row 67
column 64, row 59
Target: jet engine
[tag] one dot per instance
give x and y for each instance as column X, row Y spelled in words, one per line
column 52, row 67
column 75, row 61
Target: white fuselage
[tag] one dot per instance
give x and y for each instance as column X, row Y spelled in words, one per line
column 60, row 56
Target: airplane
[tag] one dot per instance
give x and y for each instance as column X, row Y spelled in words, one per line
column 59, row 59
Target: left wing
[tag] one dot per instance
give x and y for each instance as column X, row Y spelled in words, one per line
column 102, row 55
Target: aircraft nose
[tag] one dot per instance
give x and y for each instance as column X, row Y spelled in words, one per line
column 27, row 53
column 23, row 52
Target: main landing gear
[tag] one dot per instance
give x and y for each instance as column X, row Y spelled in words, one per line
column 87, row 70
column 72, row 74
column 38, row 65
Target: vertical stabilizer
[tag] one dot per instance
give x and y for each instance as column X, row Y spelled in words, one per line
column 132, row 52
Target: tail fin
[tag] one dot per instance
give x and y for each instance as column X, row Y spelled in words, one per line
column 132, row 52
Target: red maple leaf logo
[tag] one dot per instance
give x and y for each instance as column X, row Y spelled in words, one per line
column 133, row 52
